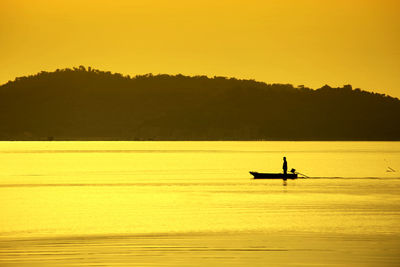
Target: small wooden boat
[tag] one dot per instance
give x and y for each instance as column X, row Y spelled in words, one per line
column 260, row 175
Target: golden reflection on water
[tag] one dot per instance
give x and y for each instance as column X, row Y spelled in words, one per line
column 147, row 202
column 74, row 210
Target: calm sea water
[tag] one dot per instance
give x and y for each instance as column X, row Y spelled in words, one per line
column 195, row 204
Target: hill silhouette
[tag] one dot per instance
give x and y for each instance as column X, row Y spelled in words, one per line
column 88, row 104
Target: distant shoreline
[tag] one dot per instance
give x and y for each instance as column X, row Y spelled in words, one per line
column 91, row 105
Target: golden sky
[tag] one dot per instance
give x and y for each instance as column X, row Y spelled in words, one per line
column 309, row 42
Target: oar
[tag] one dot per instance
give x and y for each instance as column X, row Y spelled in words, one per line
column 305, row 176
column 296, row 172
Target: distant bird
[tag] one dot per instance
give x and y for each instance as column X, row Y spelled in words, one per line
column 390, row 170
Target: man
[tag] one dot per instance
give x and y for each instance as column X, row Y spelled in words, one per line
column 284, row 167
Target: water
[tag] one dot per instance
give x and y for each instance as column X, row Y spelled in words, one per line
column 195, row 204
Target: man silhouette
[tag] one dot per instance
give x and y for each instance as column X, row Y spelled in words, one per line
column 284, row 167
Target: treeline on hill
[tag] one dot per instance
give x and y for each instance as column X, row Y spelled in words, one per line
column 88, row 104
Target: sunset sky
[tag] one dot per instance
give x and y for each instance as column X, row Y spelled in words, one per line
column 308, row 42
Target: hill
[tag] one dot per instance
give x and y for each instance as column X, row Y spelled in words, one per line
column 88, row 104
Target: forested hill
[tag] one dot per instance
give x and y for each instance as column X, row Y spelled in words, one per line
column 87, row 104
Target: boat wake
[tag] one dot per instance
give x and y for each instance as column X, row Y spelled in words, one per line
column 354, row 178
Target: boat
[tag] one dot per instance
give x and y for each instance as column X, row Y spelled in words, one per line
column 260, row 175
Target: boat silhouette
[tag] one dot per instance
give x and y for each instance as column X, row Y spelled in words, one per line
column 260, row 175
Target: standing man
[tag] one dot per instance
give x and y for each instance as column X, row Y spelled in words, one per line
column 284, row 167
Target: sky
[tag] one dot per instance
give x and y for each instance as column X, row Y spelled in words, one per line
column 302, row 42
